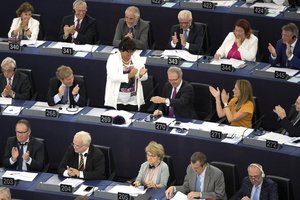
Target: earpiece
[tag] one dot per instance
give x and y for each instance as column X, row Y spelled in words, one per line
column 260, row 169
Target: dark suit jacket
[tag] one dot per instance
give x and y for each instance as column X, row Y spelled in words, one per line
column 87, row 33
column 195, row 38
column 293, row 130
column 21, row 85
column 95, row 163
column 36, row 151
column 268, row 190
column 183, row 103
column 214, row 184
column 281, row 56
column 54, row 84
column 140, row 36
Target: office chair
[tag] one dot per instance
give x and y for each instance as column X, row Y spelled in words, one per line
column 204, row 102
column 284, row 186
column 206, row 47
column 230, row 175
column 41, row 35
column 151, row 41
column 110, row 169
column 259, row 54
column 83, row 79
column 148, row 91
column 172, row 178
column 46, row 156
column 28, row 72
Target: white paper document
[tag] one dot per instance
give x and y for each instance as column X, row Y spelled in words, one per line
column 61, row 108
column 96, row 112
column 5, row 101
column 75, row 47
column 272, row 6
column 82, row 190
column 12, row 110
column 288, row 71
column 165, row 120
column 74, row 182
column 181, row 54
column 234, row 62
column 20, row 175
column 280, row 138
column 294, row 142
column 129, row 189
column 32, row 43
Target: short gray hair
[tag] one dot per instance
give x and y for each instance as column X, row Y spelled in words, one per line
column 291, row 27
column 6, row 193
column 135, row 10
column 84, row 136
column 9, row 60
column 185, row 14
column 79, row 2
column 176, row 70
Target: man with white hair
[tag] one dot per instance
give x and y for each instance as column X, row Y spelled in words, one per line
column 13, row 84
column 83, row 160
column 134, row 27
column 5, row 193
column 79, row 28
column 187, row 34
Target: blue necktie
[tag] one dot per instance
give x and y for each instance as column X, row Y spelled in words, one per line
column 185, row 34
column 20, row 157
column 198, row 184
column 255, row 195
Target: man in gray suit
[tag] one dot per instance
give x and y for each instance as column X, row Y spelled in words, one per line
column 134, row 27
column 202, row 180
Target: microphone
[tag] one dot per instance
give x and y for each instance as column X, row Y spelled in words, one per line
column 85, row 155
column 257, row 123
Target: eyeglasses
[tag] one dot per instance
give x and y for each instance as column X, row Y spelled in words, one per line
column 21, row 132
column 151, row 155
column 173, row 80
column 76, row 146
column 7, row 70
column 256, row 177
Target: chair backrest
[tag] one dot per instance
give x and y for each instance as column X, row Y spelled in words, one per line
column 259, row 54
column 257, row 116
column 46, row 156
column 83, row 79
column 172, row 178
column 204, row 102
column 151, row 41
column 41, row 35
column 148, row 91
column 206, row 47
column 230, row 175
column 28, row 72
column 110, row 169
column 285, row 188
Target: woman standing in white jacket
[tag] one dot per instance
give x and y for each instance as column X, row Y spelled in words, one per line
column 125, row 71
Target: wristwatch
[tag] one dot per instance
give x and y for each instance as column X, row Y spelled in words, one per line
column 225, row 105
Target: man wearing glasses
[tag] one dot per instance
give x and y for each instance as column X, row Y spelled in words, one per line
column 13, row 84
column 24, row 152
column 177, row 98
column 187, row 34
column 83, row 160
column 256, row 186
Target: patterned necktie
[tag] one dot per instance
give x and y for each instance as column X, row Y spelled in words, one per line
column 9, row 82
column 198, row 184
column 77, row 25
column 171, row 109
column 255, row 194
column 81, row 163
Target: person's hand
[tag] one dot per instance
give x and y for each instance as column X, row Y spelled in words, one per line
column 272, row 50
column 136, row 183
column 61, row 90
column 288, row 50
column 72, row 29
column 217, row 56
column 224, row 96
column 143, row 71
column 14, row 153
column 245, row 198
column 26, row 156
column 130, row 35
column 66, row 30
column 157, row 112
column 28, row 32
column 72, row 171
column 174, row 38
column 158, row 99
column 132, row 73
column 75, row 90
column 214, row 92
column 182, row 40
column 193, row 195
column 169, row 192
column 238, row 41
column 150, row 185
column 279, row 111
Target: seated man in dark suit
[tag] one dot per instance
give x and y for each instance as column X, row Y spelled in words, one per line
column 202, row 180
column 13, row 84
column 134, row 27
column 24, row 152
column 79, row 28
column 290, row 124
column 287, row 52
column 256, row 186
column 177, row 98
column 82, row 159
column 186, row 35
column 66, row 89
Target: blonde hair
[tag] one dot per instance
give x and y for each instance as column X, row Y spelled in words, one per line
column 246, row 93
column 155, row 149
column 63, row 72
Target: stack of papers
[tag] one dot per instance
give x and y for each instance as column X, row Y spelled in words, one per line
column 131, row 190
column 288, row 71
column 181, row 54
column 5, row 101
column 32, row 43
column 12, row 110
column 74, row 182
column 75, row 47
column 275, row 137
column 235, row 63
column 19, row 175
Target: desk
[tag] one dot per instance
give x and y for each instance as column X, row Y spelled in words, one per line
column 220, row 21
column 29, row 190
column 128, row 147
column 270, row 92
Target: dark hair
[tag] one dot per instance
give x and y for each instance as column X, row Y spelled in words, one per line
column 244, row 24
column 24, row 7
column 127, row 44
column 199, row 156
column 25, row 122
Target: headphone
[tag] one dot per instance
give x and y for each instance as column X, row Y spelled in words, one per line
column 260, row 169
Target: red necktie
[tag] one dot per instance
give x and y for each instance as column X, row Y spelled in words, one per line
column 171, row 109
column 77, row 25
